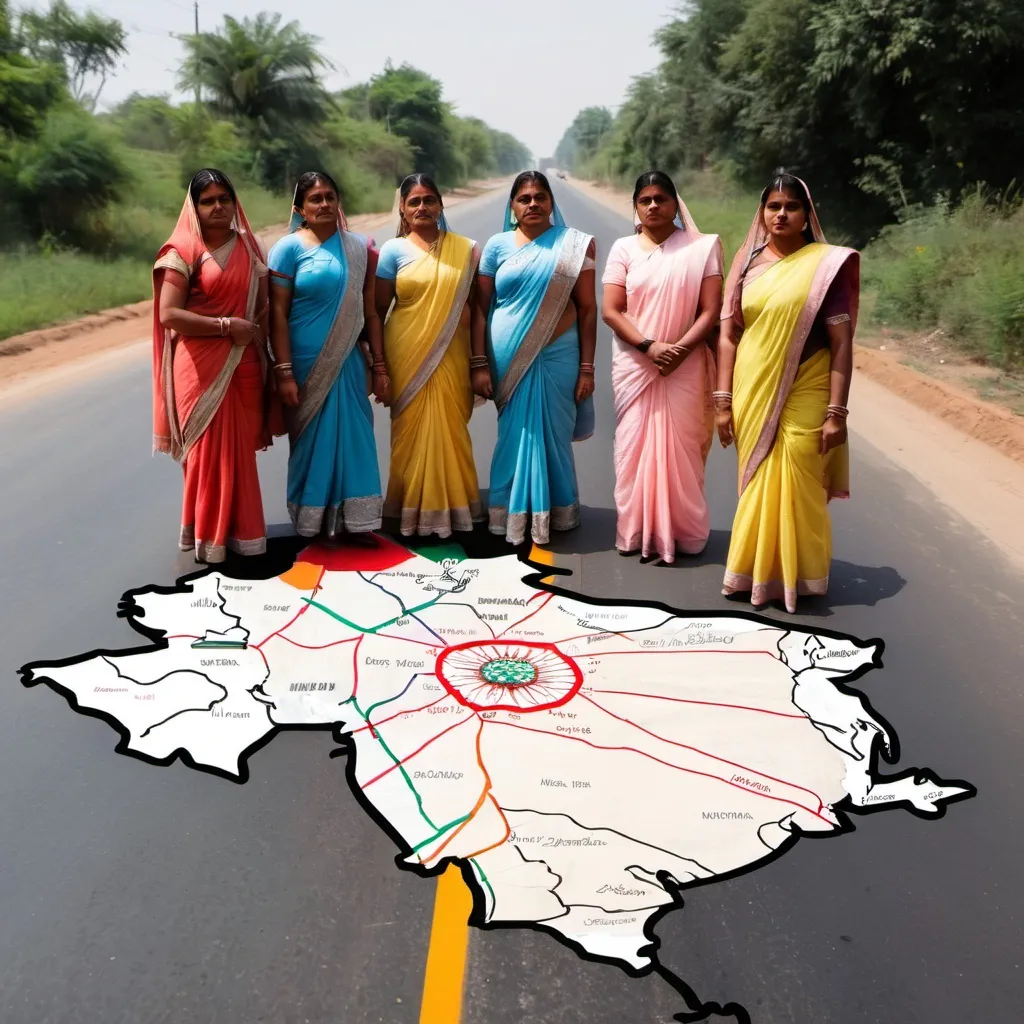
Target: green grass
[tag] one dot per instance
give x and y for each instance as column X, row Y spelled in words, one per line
column 37, row 290
column 40, row 288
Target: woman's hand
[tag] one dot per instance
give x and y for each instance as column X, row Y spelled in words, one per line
column 724, row 425
column 382, row 387
column 480, row 382
column 660, row 353
column 288, row 391
column 242, row 332
column 584, row 385
column 833, row 434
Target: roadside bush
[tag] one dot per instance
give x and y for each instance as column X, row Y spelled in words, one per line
column 71, row 169
column 957, row 268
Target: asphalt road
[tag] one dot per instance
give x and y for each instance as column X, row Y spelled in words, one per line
column 134, row 893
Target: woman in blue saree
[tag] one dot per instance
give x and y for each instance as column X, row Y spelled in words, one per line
column 534, row 336
column 321, row 301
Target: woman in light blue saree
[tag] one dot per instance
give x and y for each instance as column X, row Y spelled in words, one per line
column 321, row 300
column 534, row 337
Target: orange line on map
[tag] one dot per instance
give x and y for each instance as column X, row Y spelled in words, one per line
column 445, row 973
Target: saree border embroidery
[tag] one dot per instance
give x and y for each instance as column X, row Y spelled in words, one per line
column 832, row 262
column 443, row 522
column 353, row 515
column 567, row 270
column 184, row 438
column 773, row 590
column 206, row 408
column 513, row 527
column 340, row 340
column 432, row 360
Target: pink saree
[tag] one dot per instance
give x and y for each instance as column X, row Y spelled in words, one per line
column 664, row 424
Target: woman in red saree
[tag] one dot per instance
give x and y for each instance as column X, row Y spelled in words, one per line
column 211, row 403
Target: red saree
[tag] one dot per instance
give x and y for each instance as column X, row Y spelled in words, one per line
column 212, row 404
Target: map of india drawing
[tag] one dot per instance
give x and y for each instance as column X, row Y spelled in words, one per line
column 582, row 760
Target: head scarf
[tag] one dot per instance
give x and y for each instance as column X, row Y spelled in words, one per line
column 756, row 240
column 187, row 241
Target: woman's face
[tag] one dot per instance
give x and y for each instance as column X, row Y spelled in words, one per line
column 421, row 207
column 320, row 205
column 784, row 215
column 532, row 205
column 216, row 208
column 655, row 207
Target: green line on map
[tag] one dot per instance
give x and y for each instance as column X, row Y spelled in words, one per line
column 369, row 629
column 440, row 832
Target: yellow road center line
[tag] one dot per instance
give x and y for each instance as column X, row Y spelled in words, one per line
column 447, row 951
column 446, row 954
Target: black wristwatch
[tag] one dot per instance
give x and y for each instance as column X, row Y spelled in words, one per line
column 644, row 345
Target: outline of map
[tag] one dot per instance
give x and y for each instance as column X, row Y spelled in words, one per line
column 498, row 721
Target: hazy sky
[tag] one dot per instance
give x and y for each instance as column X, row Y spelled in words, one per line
column 523, row 68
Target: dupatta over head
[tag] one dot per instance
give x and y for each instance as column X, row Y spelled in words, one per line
column 183, row 252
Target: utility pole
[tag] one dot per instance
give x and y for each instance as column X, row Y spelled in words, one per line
column 195, row 6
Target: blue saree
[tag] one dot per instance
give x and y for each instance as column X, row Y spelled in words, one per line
column 533, row 475
column 333, row 477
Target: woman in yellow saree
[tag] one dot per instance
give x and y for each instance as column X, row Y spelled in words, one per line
column 785, row 360
column 428, row 273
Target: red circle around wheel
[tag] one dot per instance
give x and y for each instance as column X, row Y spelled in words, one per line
column 508, row 675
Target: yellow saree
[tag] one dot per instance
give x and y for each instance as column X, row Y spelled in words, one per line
column 432, row 487
column 782, row 539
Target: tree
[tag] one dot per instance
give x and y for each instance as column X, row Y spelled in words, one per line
column 409, row 103
column 28, row 88
column 584, row 137
column 265, row 76
column 82, row 44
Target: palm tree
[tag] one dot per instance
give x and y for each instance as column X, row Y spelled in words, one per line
column 261, row 74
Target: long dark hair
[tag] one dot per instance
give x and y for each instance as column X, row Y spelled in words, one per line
column 649, row 178
column 783, row 182
column 208, row 176
column 307, row 181
column 411, row 182
column 527, row 176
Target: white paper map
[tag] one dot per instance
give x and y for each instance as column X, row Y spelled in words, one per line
column 585, row 759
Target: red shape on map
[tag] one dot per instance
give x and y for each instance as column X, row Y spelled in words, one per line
column 385, row 554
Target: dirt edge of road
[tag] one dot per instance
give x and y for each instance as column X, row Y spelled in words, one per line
column 52, row 351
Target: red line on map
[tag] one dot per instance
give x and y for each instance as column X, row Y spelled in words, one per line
column 409, row 640
column 704, row 650
column 536, row 611
column 704, row 753
column 373, row 726
column 703, row 703
column 667, row 764
column 300, row 612
column 409, row 757
column 315, row 647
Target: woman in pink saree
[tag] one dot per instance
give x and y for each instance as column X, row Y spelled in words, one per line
column 662, row 298
column 211, row 404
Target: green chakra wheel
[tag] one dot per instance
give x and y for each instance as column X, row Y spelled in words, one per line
column 509, row 671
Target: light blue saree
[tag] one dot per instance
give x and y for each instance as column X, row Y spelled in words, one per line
column 333, row 477
column 533, row 487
